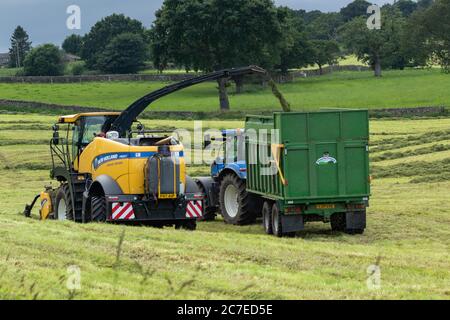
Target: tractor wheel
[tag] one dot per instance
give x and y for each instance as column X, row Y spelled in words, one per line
column 209, row 213
column 267, row 217
column 235, row 204
column 63, row 204
column 98, row 209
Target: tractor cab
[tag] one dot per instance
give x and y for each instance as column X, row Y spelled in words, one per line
column 80, row 132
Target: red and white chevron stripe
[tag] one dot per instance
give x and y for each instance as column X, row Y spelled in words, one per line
column 122, row 212
column 194, row 209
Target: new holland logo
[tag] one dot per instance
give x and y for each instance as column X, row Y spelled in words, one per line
column 326, row 159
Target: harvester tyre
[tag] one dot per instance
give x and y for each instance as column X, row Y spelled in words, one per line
column 267, row 217
column 209, row 212
column 98, row 209
column 235, row 204
column 63, row 204
column 189, row 225
column 277, row 227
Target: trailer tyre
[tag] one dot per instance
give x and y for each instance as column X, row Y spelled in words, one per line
column 63, row 204
column 277, row 227
column 339, row 224
column 235, row 204
column 267, row 218
column 98, row 209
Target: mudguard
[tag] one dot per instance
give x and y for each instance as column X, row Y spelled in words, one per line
column 109, row 186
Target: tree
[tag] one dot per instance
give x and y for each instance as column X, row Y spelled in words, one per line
column 103, row 32
column 20, row 46
column 325, row 52
column 45, row 60
column 355, row 9
column 406, row 7
column 424, row 4
column 377, row 47
column 295, row 48
column 430, row 30
column 210, row 35
column 125, row 53
column 73, row 44
column 325, row 26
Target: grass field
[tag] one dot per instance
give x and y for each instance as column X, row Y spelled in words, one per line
column 408, row 234
column 408, row 88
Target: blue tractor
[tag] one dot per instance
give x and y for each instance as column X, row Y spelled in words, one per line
column 225, row 189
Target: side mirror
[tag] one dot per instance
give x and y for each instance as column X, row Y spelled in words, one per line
column 140, row 127
column 206, row 141
column 55, row 138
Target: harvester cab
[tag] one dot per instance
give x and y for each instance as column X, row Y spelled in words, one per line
column 109, row 172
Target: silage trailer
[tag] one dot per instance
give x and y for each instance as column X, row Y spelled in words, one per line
column 318, row 171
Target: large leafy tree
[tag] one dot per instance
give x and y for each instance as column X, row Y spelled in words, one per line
column 430, row 31
column 209, row 35
column 44, row 60
column 103, row 32
column 73, row 44
column 295, row 48
column 355, row 9
column 377, row 47
column 20, row 46
column 325, row 52
column 125, row 53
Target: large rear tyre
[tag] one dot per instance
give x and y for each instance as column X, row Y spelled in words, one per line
column 63, row 204
column 235, row 204
column 98, row 209
column 267, row 217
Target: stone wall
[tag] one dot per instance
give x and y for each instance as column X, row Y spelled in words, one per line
column 280, row 78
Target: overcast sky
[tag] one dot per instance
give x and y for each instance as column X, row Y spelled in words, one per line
column 45, row 20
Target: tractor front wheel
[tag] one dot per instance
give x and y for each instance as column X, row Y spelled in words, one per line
column 63, row 204
column 98, row 209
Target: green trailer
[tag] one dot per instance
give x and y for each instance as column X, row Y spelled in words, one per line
column 293, row 168
column 318, row 169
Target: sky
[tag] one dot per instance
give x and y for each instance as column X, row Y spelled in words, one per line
column 45, row 20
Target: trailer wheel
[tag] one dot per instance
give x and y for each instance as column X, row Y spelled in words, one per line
column 277, row 227
column 98, row 209
column 267, row 217
column 339, row 224
column 63, row 204
column 235, row 201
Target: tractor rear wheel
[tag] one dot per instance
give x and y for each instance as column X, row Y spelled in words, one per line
column 63, row 204
column 235, row 204
column 98, row 209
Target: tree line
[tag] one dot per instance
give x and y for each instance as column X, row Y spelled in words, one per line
column 207, row 35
